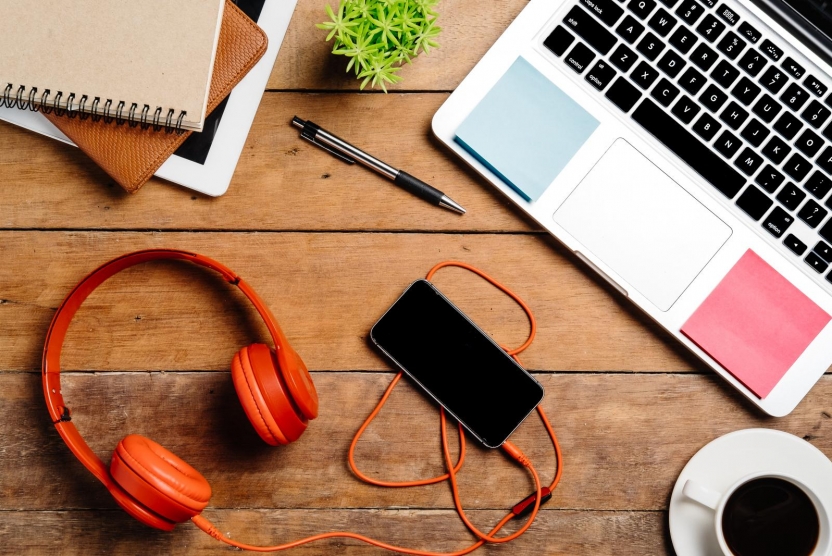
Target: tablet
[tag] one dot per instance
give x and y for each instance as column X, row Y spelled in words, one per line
column 205, row 162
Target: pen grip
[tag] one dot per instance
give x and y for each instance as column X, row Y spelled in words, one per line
column 418, row 187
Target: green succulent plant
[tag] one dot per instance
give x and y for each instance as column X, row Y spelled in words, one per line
column 378, row 36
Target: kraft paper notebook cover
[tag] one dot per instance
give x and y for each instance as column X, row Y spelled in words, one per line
column 139, row 59
column 131, row 155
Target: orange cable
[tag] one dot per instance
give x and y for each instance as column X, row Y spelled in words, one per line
column 512, row 450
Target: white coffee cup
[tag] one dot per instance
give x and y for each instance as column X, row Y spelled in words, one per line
column 716, row 501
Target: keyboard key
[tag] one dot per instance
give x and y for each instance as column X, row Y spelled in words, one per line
column 795, row 245
column 790, row 196
column 703, row 57
column 752, row 62
column 818, row 185
column 829, row 277
column 812, row 213
column 794, row 96
column 808, row 143
column 814, row 84
column 815, row 114
column 623, row 94
column 747, row 31
column 818, row 264
column 733, row 115
column 727, row 14
column 774, row 79
column 630, row 29
column 641, row 8
column 559, row 40
column 755, row 133
column 683, row 39
column 793, row 68
column 767, row 108
column 623, row 58
column 588, row 28
column 579, row 58
column 754, row 202
column 706, row 127
column 669, row 3
column 824, row 251
column 713, row 98
column 787, row 125
column 662, row 22
column 685, row 109
column 777, row 222
column 650, row 46
column 748, row 161
column 692, row 81
column 776, row 150
column 828, row 132
column 769, row 179
column 826, row 231
column 710, row 28
column 725, row 74
column 797, row 167
column 644, row 75
column 671, row 63
column 745, row 91
column 665, row 92
column 731, row 45
column 825, row 159
column 605, row 10
column 689, row 11
column 600, row 75
column 771, row 50
column 697, row 155
column 727, row 144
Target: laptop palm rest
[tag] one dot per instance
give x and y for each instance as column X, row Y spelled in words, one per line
column 642, row 224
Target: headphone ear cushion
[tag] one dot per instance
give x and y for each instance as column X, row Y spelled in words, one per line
column 159, row 479
column 251, row 398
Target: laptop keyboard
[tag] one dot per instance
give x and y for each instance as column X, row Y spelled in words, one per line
column 728, row 100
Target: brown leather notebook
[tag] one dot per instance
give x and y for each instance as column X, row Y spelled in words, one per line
column 131, row 155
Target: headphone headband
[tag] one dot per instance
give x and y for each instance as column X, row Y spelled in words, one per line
column 51, row 366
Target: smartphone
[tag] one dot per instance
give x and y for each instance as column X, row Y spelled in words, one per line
column 456, row 363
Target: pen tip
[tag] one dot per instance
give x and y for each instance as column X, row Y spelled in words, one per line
column 450, row 204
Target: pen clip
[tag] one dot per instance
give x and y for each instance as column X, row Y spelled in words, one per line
column 309, row 135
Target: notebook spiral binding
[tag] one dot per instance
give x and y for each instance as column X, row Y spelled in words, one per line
column 12, row 99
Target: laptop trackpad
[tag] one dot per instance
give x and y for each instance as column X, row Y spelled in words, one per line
column 642, row 224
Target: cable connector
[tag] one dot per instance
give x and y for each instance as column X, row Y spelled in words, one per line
column 516, row 454
column 527, row 504
column 207, row 526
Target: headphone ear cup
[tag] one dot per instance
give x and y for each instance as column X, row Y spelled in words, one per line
column 253, row 402
column 273, row 402
column 161, row 481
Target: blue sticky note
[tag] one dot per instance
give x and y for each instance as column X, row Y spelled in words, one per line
column 526, row 130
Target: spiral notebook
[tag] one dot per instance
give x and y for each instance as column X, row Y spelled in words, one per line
column 145, row 62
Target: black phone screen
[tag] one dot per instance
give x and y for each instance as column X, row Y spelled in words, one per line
column 457, row 363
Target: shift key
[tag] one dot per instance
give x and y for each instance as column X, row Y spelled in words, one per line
column 588, row 28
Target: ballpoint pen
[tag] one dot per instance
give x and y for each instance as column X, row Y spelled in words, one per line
column 350, row 154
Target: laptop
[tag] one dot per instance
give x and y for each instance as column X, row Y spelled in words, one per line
column 682, row 149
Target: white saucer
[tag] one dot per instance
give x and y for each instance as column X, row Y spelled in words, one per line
column 728, row 459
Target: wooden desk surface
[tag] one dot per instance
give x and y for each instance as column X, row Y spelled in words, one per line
column 329, row 247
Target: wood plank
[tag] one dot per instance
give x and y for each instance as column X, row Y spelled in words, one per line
column 625, row 439
column 281, row 183
column 326, row 289
column 112, row 532
column 469, row 28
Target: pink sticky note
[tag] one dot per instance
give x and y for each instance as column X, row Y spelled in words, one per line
column 755, row 324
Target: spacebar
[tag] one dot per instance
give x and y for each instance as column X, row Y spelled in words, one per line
column 687, row 147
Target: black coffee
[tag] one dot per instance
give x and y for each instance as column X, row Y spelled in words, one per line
column 770, row 517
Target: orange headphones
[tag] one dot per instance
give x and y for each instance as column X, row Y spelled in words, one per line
column 276, row 391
